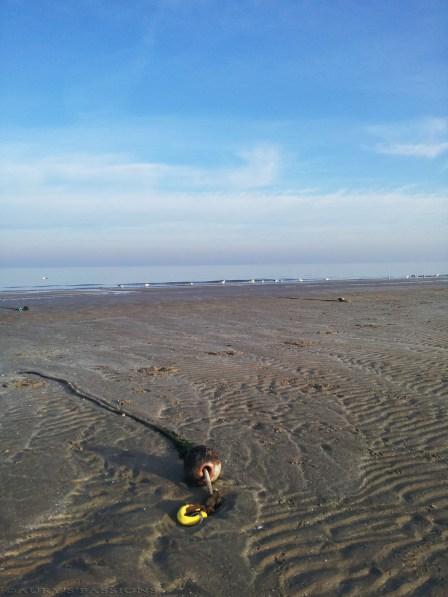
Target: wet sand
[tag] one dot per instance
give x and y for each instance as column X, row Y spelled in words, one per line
column 331, row 419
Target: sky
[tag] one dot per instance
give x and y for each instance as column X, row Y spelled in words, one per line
column 223, row 131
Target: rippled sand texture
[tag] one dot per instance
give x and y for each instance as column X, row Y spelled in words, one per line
column 331, row 419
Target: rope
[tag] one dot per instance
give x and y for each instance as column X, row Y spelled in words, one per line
column 182, row 445
column 208, row 481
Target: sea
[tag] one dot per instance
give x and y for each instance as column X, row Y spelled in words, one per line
column 134, row 277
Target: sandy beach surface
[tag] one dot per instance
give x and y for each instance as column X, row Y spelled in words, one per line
column 331, row 420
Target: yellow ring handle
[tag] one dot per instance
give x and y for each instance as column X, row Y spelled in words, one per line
column 189, row 520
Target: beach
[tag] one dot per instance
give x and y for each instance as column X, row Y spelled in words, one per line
column 330, row 417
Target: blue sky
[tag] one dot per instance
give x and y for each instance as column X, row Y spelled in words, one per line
column 206, row 131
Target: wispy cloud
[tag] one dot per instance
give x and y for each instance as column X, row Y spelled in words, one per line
column 419, row 150
column 258, row 167
column 426, row 138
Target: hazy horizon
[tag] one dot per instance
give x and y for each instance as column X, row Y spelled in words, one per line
column 60, row 277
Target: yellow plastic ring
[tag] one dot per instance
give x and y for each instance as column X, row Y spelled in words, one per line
column 189, row 520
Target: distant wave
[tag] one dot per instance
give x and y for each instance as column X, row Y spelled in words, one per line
column 134, row 286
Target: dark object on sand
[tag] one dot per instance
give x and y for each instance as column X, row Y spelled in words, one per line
column 341, row 299
column 25, row 308
column 201, row 464
column 190, row 515
column 197, row 460
column 213, row 502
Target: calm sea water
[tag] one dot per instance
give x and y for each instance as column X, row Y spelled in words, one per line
column 73, row 277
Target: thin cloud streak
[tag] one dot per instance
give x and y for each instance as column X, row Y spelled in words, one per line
column 258, row 167
column 426, row 138
column 68, row 207
column 419, row 150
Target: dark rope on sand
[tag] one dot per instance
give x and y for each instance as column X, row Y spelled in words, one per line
column 182, row 445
